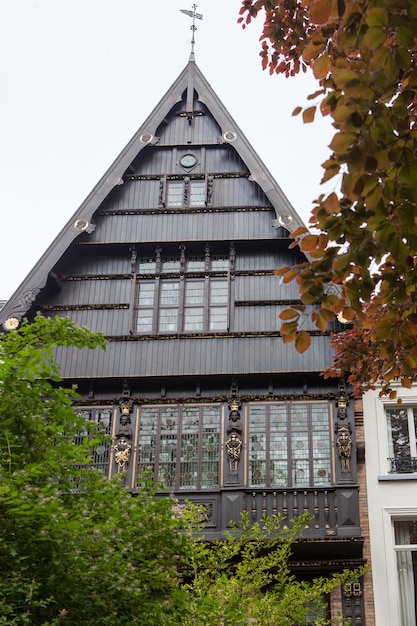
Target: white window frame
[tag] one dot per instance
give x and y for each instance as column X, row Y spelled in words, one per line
column 391, row 515
column 411, row 443
column 409, row 399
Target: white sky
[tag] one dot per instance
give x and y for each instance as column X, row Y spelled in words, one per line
column 78, row 78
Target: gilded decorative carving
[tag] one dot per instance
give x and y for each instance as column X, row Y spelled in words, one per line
column 344, row 446
column 343, row 431
column 123, row 447
column 234, row 448
column 234, row 429
column 122, row 455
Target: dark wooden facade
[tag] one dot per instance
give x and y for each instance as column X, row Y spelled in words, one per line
column 173, row 260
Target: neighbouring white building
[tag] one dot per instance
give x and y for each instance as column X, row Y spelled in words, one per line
column 391, row 469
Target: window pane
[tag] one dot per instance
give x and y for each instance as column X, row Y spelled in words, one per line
column 398, row 436
column 181, row 444
column 144, row 321
column 101, row 453
column 148, row 427
column 278, row 445
column 406, row 535
column 168, row 319
column 168, row 446
column 197, row 193
column 171, row 264
column 320, row 444
column 146, row 293
column 196, row 264
column 169, row 294
column 210, row 446
column 194, row 319
column 300, row 445
column 219, row 263
column 405, row 532
column 175, row 193
column 218, row 318
column 257, row 445
column 147, row 266
column 407, row 577
column 194, row 292
column 289, row 445
column 218, row 292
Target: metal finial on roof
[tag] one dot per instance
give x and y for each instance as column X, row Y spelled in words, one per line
column 195, row 16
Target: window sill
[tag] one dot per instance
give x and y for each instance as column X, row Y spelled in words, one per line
column 388, row 477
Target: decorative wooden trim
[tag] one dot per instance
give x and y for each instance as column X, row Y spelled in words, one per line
column 83, row 307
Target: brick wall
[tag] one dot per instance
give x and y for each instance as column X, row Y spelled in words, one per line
column 363, row 513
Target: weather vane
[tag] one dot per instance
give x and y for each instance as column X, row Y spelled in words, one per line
column 195, row 16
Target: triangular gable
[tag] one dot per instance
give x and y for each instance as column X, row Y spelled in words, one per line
column 189, row 80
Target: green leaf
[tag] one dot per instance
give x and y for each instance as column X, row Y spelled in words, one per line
column 374, row 37
column 376, row 16
column 342, row 141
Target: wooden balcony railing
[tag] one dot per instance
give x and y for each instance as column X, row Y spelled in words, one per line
column 334, row 512
column 320, row 505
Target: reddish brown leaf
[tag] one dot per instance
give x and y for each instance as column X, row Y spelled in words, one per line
column 322, row 66
column 302, row 341
column 320, row 11
column 308, row 114
column 289, row 314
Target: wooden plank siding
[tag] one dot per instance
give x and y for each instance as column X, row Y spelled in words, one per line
column 183, row 227
column 194, row 357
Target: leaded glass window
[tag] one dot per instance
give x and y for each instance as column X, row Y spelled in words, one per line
column 180, row 444
column 289, row 444
column 101, row 453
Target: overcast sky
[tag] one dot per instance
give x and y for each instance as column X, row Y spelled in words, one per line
column 78, row 78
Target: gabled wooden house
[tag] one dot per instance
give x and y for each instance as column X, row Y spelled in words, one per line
column 172, row 257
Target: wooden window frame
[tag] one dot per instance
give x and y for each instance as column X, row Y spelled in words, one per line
column 182, row 277
column 156, row 442
column 287, row 464
column 187, row 184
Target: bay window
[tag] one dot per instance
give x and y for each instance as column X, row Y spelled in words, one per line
column 180, row 445
column 289, row 444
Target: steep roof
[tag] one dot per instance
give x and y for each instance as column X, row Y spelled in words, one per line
column 189, row 81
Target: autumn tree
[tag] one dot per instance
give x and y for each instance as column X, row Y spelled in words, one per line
column 364, row 232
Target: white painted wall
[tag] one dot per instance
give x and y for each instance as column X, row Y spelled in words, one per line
column 389, row 497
